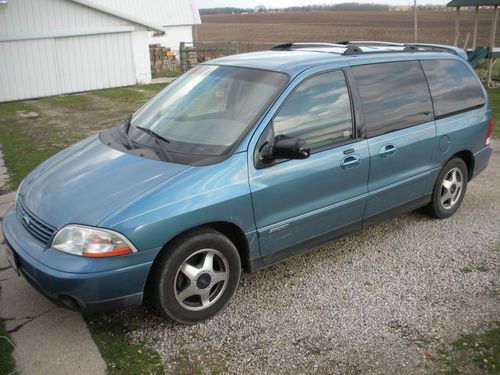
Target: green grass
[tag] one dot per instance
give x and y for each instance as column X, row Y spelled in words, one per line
column 71, row 102
column 494, row 95
column 473, row 354
column 480, row 268
column 125, row 94
column 483, row 67
column 166, row 73
column 121, row 356
column 202, row 362
column 7, row 365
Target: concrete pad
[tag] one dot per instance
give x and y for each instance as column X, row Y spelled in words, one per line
column 4, row 176
column 49, row 339
column 20, row 301
column 57, row 342
column 4, row 263
column 4, row 207
column 8, row 198
column 7, row 273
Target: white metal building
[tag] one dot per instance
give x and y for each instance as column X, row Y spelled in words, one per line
column 177, row 17
column 53, row 47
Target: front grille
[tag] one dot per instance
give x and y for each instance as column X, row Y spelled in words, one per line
column 37, row 228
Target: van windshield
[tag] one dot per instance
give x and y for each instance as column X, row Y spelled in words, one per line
column 208, row 109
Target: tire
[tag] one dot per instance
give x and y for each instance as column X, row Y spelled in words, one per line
column 185, row 286
column 449, row 190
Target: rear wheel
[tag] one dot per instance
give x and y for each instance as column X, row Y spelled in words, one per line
column 196, row 276
column 449, row 190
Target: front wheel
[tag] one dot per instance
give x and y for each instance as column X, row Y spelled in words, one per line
column 196, row 276
column 449, row 190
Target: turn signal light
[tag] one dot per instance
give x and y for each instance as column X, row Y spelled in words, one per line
column 488, row 133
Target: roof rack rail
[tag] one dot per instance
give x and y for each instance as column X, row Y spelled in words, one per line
column 287, row 46
column 371, row 43
column 355, row 49
column 407, row 47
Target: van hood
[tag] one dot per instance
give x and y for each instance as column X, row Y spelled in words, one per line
column 89, row 181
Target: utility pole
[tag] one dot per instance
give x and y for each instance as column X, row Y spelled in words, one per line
column 415, row 20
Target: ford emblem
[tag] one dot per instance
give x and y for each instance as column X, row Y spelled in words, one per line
column 26, row 221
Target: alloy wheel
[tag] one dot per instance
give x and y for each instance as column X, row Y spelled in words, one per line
column 451, row 188
column 201, row 279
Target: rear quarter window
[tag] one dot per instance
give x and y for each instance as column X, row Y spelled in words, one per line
column 454, row 87
column 394, row 95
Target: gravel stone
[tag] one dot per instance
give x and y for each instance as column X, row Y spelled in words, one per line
column 379, row 301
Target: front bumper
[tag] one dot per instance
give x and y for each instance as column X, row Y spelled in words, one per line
column 76, row 282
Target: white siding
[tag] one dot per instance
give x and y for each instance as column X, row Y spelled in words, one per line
column 160, row 12
column 38, row 16
column 28, row 69
column 44, row 67
column 94, row 62
column 173, row 37
column 140, row 49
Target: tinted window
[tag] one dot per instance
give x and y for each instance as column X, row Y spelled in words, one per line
column 394, row 95
column 453, row 86
column 318, row 111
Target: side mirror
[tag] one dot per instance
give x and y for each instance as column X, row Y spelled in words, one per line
column 286, row 148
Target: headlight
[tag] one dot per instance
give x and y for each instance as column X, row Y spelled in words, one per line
column 91, row 242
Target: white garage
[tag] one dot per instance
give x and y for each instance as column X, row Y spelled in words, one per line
column 53, row 47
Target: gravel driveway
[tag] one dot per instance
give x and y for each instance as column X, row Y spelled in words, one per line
column 380, row 301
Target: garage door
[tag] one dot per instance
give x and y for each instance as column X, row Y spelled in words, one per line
column 43, row 67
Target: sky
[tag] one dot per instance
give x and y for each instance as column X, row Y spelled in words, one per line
column 286, row 3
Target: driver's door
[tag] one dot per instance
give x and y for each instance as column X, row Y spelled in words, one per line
column 300, row 202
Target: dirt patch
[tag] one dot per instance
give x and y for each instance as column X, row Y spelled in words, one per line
column 434, row 26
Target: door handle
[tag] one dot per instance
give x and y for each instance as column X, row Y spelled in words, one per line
column 387, row 150
column 350, row 161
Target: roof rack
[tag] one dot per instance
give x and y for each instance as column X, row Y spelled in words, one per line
column 354, row 49
column 288, row 46
column 407, row 47
column 371, row 43
column 358, row 47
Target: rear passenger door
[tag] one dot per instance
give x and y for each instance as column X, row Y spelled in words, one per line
column 400, row 128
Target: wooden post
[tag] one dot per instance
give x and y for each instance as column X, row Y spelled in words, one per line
column 474, row 34
column 489, row 83
column 466, row 41
column 415, row 20
column 457, row 26
column 183, row 57
column 195, row 32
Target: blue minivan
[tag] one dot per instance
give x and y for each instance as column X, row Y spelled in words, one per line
column 244, row 161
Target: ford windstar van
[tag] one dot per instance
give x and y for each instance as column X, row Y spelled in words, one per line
column 244, row 161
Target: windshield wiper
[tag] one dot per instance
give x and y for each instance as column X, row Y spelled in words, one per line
column 153, row 133
column 126, row 127
column 157, row 137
